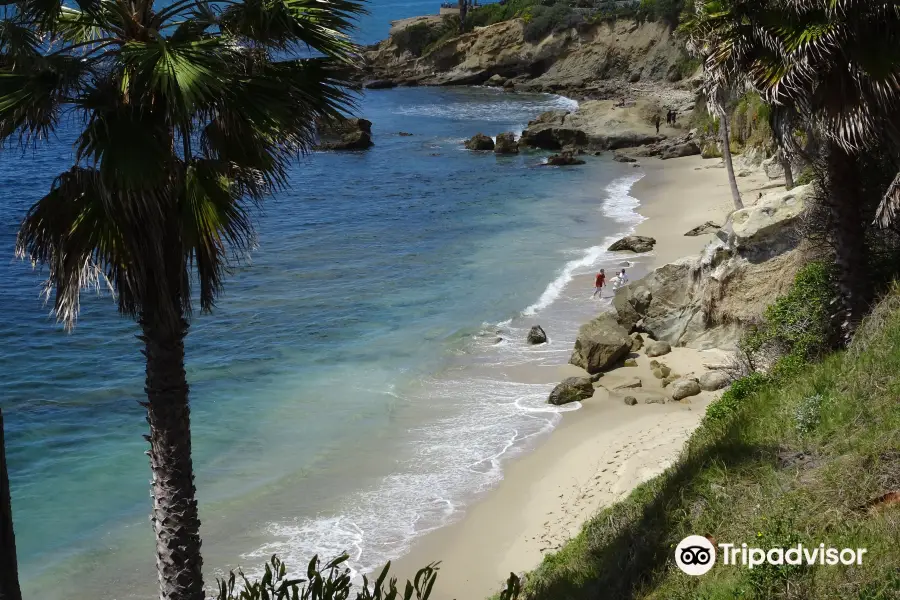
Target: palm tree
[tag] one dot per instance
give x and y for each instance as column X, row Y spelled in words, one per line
column 9, row 573
column 836, row 66
column 188, row 113
column 701, row 38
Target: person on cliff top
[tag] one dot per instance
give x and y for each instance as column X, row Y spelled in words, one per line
column 599, row 282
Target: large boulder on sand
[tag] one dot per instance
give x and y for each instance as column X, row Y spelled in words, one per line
column 479, row 141
column 537, row 335
column 344, row 134
column 600, row 344
column 685, row 388
column 506, row 144
column 634, row 243
column 714, row 380
column 573, row 389
column 658, row 348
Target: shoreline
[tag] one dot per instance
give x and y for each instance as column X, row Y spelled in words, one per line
column 596, row 455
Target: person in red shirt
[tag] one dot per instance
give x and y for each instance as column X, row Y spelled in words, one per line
column 599, row 283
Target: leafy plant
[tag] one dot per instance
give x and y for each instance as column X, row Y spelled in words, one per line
column 808, row 413
column 547, row 20
column 720, row 410
column 329, row 582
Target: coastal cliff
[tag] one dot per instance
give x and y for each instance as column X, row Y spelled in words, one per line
column 618, row 59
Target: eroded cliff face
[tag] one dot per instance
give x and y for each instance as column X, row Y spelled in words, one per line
column 707, row 301
column 594, row 59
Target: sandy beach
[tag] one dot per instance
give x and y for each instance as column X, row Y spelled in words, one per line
column 598, row 454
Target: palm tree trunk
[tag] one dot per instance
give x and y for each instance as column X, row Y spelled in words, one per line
column 175, row 517
column 726, row 156
column 9, row 571
column 788, row 173
column 849, row 236
column 463, row 9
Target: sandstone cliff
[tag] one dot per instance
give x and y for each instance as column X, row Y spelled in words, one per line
column 592, row 59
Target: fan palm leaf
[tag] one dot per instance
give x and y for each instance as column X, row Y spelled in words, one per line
column 188, row 114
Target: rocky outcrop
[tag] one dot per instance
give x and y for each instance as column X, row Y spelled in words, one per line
column 573, row 389
column 563, row 159
column 506, row 144
column 344, row 134
column 634, row 243
column 708, row 227
column 597, row 125
column 479, row 142
column 537, row 336
column 600, row 344
column 706, row 301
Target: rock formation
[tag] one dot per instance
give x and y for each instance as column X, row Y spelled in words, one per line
column 563, row 159
column 706, row 301
column 600, row 344
column 573, row 389
column 506, row 144
column 685, row 388
column 480, row 142
column 537, row 335
column 708, row 227
column 344, row 134
column 634, row 243
column 712, row 381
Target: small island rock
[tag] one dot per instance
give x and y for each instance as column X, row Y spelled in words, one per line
column 344, row 134
column 479, row 141
column 506, row 144
column 537, row 335
column 563, row 159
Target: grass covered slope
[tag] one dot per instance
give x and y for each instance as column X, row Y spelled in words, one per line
column 809, row 457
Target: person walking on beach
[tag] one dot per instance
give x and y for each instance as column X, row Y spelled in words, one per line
column 599, row 282
column 658, row 120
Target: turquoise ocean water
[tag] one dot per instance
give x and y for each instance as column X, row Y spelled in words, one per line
column 353, row 390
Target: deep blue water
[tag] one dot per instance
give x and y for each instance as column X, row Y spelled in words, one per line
column 335, row 402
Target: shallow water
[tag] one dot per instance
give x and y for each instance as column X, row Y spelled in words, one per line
column 350, row 392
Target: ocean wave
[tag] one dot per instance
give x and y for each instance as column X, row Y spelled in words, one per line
column 618, row 205
column 455, row 457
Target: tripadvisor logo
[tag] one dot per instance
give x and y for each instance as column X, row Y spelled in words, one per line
column 696, row 555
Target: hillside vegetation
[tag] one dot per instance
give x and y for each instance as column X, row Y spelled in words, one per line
column 808, row 454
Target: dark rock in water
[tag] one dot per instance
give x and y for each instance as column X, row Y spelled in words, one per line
column 495, row 80
column 600, row 344
column 479, row 141
column 630, row 400
column 380, row 84
column 708, row 227
column 634, row 243
column 344, row 134
column 404, row 134
column 563, row 160
column 537, row 335
column 506, row 144
column 572, row 389
column 547, row 132
column 624, row 159
column 509, row 84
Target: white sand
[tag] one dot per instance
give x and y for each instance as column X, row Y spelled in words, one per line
column 600, row 453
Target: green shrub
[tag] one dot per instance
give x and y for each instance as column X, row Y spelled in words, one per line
column 416, row 38
column 546, row 20
column 669, row 11
column 329, row 582
column 807, row 176
column 720, row 410
column 808, row 413
column 798, row 326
